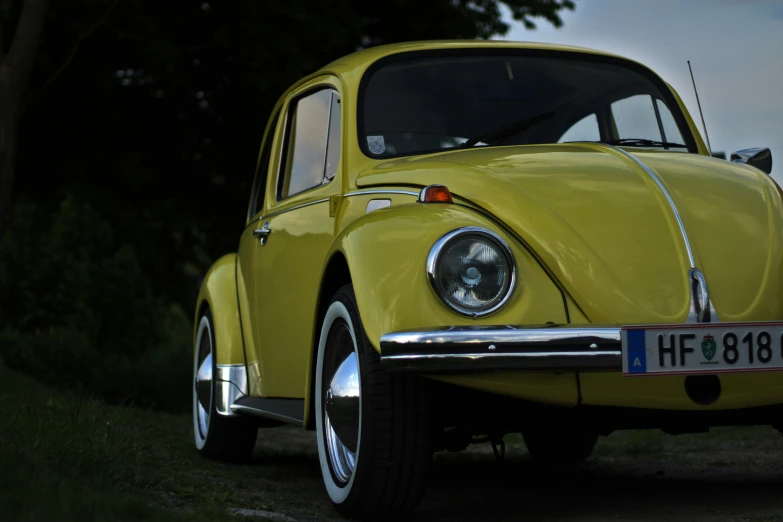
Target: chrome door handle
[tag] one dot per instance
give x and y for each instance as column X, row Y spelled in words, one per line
column 263, row 232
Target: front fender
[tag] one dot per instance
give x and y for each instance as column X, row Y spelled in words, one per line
column 219, row 292
column 386, row 252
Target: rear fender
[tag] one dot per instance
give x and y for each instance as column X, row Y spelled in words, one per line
column 219, row 292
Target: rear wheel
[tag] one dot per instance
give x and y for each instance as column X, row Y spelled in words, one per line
column 216, row 436
column 559, row 445
column 372, row 426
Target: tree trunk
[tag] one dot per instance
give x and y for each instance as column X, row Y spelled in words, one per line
column 15, row 70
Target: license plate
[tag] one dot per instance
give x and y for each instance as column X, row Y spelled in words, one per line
column 702, row 348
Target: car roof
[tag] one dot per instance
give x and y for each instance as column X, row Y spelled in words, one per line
column 358, row 61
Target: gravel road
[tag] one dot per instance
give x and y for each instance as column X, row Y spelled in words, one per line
column 733, row 474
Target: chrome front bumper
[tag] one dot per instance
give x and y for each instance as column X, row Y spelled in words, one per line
column 461, row 349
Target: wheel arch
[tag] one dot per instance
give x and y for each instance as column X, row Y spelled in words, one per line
column 219, row 292
column 336, row 274
column 384, row 255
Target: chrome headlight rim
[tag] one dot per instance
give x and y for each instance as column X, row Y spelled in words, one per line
column 500, row 243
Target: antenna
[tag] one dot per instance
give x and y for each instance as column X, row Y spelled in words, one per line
column 700, row 111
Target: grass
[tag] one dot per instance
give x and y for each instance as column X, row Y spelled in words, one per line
column 68, row 458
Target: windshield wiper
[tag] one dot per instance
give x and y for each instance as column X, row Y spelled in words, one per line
column 507, row 130
column 642, row 142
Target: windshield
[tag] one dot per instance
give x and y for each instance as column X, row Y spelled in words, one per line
column 418, row 105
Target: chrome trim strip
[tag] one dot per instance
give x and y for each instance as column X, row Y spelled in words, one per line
column 437, row 248
column 668, row 198
column 328, row 128
column 558, row 348
column 555, row 362
column 230, row 384
column 390, row 191
column 289, row 209
column 701, row 310
column 541, row 337
column 241, row 408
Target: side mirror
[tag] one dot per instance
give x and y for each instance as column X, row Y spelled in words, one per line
column 760, row 157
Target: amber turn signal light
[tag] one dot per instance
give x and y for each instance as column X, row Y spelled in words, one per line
column 435, row 194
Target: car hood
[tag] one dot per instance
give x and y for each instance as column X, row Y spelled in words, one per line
column 605, row 229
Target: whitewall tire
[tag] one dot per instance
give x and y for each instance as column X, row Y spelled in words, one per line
column 216, row 436
column 373, row 427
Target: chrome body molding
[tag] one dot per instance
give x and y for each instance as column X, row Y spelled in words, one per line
column 230, row 384
column 462, row 349
column 668, row 196
column 380, row 191
column 254, row 222
column 290, row 411
column 435, row 251
column 242, row 409
column 701, row 310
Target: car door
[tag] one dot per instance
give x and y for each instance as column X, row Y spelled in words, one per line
column 291, row 237
column 249, row 250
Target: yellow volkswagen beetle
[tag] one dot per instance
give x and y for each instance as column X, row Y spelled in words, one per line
column 450, row 241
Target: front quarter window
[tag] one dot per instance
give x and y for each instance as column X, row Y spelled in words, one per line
column 640, row 117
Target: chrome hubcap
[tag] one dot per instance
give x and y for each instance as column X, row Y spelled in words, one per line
column 342, row 402
column 202, row 386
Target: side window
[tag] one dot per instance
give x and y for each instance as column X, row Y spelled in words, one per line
column 306, row 161
column 585, row 129
column 635, row 118
column 259, row 184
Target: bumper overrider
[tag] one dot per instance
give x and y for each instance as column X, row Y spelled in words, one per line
column 463, row 349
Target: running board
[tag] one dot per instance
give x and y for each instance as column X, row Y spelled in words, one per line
column 290, row 411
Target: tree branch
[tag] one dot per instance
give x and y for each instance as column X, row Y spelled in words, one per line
column 5, row 11
column 162, row 45
column 74, row 51
column 15, row 71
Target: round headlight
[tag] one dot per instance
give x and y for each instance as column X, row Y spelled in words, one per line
column 472, row 271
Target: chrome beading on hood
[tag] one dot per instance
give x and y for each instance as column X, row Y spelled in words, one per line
column 701, row 308
column 668, row 197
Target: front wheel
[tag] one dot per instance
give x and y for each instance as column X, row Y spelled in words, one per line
column 372, row 426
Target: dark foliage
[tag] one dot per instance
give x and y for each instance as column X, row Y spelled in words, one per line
column 137, row 146
column 77, row 308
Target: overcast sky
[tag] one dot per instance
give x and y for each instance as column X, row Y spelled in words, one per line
column 735, row 48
